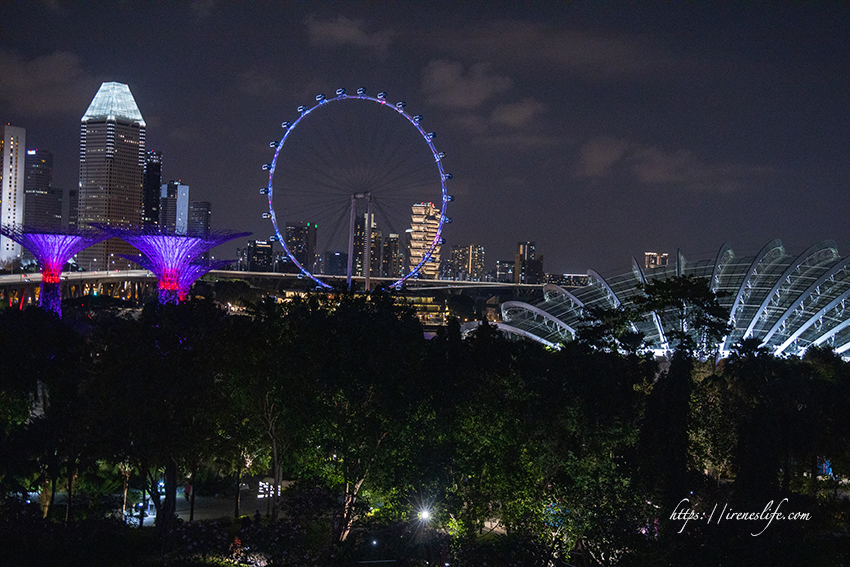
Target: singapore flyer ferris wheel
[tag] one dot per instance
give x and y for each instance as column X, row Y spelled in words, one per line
column 357, row 189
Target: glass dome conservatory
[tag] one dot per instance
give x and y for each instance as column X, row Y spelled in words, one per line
column 789, row 302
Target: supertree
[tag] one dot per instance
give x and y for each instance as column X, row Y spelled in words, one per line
column 52, row 249
column 187, row 276
column 171, row 256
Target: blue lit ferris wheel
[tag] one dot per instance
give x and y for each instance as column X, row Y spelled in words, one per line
column 349, row 171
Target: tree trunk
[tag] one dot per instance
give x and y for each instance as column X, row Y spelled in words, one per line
column 238, row 490
column 165, row 516
column 125, row 473
column 44, row 498
column 71, row 477
column 52, row 494
column 276, row 476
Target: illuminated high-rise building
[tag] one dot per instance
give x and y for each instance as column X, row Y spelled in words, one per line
column 151, row 189
column 392, row 260
column 13, row 142
column 200, row 218
column 424, row 222
column 505, row 270
column 653, row 260
column 112, row 162
column 301, row 241
column 528, row 268
column 174, row 207
column 466, row 264
column 43, row 201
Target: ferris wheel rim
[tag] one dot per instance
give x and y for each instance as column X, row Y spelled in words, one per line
column 414, row 120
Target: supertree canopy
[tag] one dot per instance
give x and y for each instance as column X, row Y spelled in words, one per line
column 171, row 256
column 186, row 277
column 52, row 249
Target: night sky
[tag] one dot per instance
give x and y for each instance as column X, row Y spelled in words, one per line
column 598, row 130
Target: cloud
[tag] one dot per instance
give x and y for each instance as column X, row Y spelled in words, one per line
column 449, row 84
column 50, row 84
column 517, row 114
column 592, row 54
column 255, row 82
column 598, row 156
column 203, row 9
column 603, row 157
column 345, row 32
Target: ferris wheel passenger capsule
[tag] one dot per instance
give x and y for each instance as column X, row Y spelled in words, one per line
column 273, row 238
column 267, row 166
column 400, row 104
column 430, row 136
column 447, row 176
column 267, row 215
column 382, row 95
column 320, row 97
column 273, row 144
column 417, row 119
column 285, row 124
column 448, row 198
column 302, row 109
column 447, row 220
column 361, row 91
column 264, row 191
column 340, row 92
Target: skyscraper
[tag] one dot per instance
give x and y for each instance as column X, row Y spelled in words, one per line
column 43, row 201
column 13, row 142
column 174, row 207
column 425, row 220
column 151, row 188
column 200, row 218
column 301, row 241
column 528, row 268
column 112, row 162
column 466, row 264
column 392, row 257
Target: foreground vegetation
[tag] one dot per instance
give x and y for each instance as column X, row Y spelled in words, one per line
column 518, row 454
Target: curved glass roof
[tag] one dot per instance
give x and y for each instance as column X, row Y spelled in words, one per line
column 788, row 301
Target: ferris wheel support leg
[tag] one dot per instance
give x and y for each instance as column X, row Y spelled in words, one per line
column 351, row 242
column 367, row 245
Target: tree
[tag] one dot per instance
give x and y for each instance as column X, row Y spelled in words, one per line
column 694, row 320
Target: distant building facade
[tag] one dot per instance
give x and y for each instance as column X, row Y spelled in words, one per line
column 654, row 260
column 301, row 242
column 392, row 257
column 567, row 280
column 528, row 268
column 425, row 220
column 152, row 189
column 174, row 207
column 200, row 218
column 260, row 256
column 112, row 163
column 43, row 201
column 505, row 270
column 466, row 264
column 13, row 142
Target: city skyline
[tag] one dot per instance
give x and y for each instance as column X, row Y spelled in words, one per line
column 598, row 132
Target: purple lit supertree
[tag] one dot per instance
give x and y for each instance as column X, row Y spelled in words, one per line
column 186, row 277
column 52, row 249
column 171, row 256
